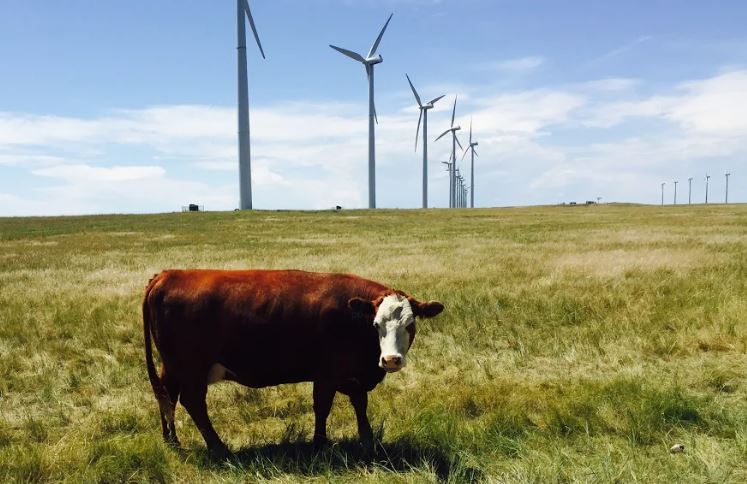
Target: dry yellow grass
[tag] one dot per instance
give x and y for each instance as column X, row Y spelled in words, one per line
column 578, row 344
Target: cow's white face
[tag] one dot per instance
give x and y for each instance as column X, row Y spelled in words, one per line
column 395, row 322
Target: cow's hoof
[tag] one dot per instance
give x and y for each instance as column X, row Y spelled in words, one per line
column 220, row 453
column 319, row 442
column 368, row 449
column 172, row 441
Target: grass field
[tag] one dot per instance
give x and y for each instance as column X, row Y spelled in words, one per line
column 577, row 344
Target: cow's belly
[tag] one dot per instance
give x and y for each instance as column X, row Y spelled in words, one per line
column 267, row 356
column 219, row 372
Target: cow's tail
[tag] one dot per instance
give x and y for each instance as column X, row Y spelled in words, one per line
column 167, row 410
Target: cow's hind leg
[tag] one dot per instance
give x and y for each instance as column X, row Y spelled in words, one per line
column 324, row 394
column 193, row 399
column 171, row 384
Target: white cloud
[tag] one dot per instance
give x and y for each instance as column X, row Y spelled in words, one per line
column 520, row 64
column 621, row 49
column 526, row 112
column 712, row 106
column 612, row 84
column 93, row 174
column 308, row 155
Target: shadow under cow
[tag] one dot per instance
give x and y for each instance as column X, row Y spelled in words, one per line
column 305, row 459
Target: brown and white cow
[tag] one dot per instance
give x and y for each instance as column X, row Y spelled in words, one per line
column 262, row 328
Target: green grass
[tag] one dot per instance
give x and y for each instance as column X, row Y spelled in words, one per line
column 578, row 344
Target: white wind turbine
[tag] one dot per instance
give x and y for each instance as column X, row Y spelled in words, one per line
column 245, row 163
column 370, row 61
column 462, row 190
column 449, row 164
column 454, row 141
column 424, row 117
column 471, row 148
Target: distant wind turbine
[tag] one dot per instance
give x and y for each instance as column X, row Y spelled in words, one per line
column 369, row 62
column 726, row 199
column 675, row 191
column 471, row 148
column 454, row 141
column 708, row 177
column 458, row 189
column 462, row 195
column 689, row 190
column 424, row 116
column 245, row 163
column 449, row 164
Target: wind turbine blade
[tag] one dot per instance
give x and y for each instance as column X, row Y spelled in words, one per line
column 254, row 28
column 378, row 39
column 457, row 140
column 376, row 118
column 442, row 135
column 475, row 152
column 453, row 113
column 349, row 53
column 417, row 132
column 465, row 153
column 417, row 98
column 470, row 131
column 437, row 99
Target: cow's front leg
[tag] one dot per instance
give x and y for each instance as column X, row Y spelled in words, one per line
column 359, row 399
column 324, row 394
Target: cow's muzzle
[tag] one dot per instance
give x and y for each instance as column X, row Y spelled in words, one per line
column 391, row 363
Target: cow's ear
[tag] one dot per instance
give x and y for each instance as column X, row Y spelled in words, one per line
column 361, row 307
column 426, row 309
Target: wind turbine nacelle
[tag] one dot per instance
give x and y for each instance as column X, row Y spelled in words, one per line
column 456, row 128
column 475, row 143
column 377, row 59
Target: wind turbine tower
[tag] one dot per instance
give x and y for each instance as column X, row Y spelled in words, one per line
column 689, row 190
column 675, row 191
column 424, row 117
column 726, row 200
column 662, row 193
column 707, row 178
column 454, row 141
column 459, row 180
column 245, row 164
column 471, row 148
column 369, row 62
column 449, row 164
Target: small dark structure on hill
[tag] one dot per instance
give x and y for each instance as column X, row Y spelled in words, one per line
column 193, row 207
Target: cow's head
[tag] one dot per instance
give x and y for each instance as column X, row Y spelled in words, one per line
column 394, row 319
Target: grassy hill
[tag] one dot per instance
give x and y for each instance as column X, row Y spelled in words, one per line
column 578, row 343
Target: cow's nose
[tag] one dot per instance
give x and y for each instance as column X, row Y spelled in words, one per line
column 391, row 361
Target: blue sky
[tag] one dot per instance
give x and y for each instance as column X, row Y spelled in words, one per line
column 130, row 106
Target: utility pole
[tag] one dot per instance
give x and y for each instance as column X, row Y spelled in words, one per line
column 727, row 188
column 675, row 191
column 690, row 190
column 707, row 177
column 662, row 193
